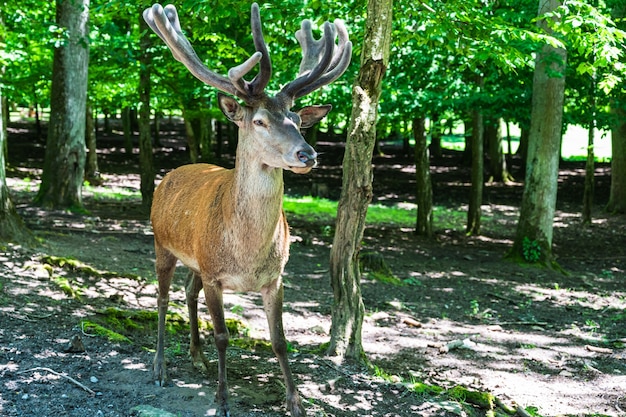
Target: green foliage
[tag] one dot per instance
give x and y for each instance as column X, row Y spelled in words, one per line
column 92, row 328
column 531, row 250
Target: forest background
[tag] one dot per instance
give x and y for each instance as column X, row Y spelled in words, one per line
column 505, row 80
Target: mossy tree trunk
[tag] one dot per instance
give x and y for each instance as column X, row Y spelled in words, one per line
column 146, row 158
column 64, row 164
column 356, row 194
column 534, row 227
column 424, row 192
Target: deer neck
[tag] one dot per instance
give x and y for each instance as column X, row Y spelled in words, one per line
column 257, row 193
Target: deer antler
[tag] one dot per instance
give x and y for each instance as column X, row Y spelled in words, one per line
column 322, row 61
column 165, row 23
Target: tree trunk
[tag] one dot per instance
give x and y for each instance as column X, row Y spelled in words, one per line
column 435, row 136
column 497, row 161
column 146, row 158
column 617, row 198
column 424, row 192
column 64, row 164
column 92, row 173
column 12, row 228
column 533, row 239
column 476, row 191
column 589, row 175
column 190, row 133
column 128, row 133
column 356, row 194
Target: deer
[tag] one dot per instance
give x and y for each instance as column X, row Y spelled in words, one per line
column 228, row 225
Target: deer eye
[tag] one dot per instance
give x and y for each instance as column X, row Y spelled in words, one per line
column 259, row 122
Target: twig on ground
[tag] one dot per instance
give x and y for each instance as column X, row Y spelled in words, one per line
column 39, row 368
column 598, row 349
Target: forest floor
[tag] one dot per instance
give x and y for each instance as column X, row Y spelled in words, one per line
column 548, row 342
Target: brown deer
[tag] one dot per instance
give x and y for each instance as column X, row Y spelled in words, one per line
column 228, row 226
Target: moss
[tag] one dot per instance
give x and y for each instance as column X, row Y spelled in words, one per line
column 66, row 286
column 95, row 328
column 481, row 399
column 425, row 389
column 377, row 268
column 75, row 265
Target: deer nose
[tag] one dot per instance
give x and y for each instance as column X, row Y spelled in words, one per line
column 307, row 158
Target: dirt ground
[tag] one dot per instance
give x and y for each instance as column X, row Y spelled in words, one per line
column 548, row 342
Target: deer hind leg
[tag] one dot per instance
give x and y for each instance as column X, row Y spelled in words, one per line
column 215, row 305
column 165, row 265
column 272, row 295
column 192, row 290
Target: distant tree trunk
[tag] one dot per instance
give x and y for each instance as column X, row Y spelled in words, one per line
column 348, row 309
column 92, row 173
column 128, row 133
column 617, row 198
column 474, row 211
column 64, row 164
column 497, row 161
column 534, row 228
column 206, row 137
column 589, row 175
column 146, row 158
column 424, row 192
column 435, row 136
column 466, row 159
column 189, row 117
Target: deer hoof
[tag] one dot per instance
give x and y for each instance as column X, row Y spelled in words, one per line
column 199, row 361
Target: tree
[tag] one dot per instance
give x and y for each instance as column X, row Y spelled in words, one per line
column 146, row 159
column 617, row 198
column 356, row 193
column 12, row 228
column 533, row 238
column 64, row 164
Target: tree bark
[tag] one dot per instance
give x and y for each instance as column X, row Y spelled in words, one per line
column 12, row 228
column 356, row 194
column 476, row 190
column 92, row 172
column 424, row 192
column 535, row 223
column 617, row 198
column 64, row 164
column 146, row 157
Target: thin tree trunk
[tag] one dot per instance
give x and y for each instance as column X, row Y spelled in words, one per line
column 64, row 165
column 617, row 198
column 348, row 309
column 435, row 136
column 533, row 238
column 424, row 192
column 92, row 173
column 146, row 158
column 126, row 127
column 589, row 176
column 474, row 211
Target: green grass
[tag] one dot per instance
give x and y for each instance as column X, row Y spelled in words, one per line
column 325, row 211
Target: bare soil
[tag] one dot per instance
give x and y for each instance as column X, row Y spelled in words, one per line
column 548, row 342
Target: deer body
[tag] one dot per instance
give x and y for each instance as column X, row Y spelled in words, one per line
column 228, row 226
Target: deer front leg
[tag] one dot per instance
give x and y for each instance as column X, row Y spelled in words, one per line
column 192, row 290
column 165, row 265
column 215, row 305
column 272, row 295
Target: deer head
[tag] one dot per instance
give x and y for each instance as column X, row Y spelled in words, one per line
column 263, row 118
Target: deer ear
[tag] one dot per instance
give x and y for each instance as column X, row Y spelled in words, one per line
column 313, row 114
column 230, row 107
